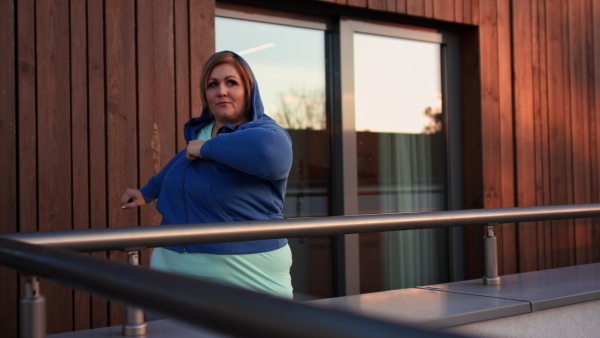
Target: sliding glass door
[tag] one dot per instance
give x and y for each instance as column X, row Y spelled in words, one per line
column 375, row 128
column 401, row 156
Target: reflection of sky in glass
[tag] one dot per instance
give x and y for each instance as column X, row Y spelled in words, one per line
column 396, row 80
column 284, row 59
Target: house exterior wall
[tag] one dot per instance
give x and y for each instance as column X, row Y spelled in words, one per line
column 93, row 94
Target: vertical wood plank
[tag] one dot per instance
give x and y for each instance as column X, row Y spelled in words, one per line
column 459, row 11
column 566, row 116
column 525, row 129
column 8, row 171
column 507, row 154
column 557, row 131
column 79, row 114
column 580, row 126
column 475, row 12
column 390, row 6
column 182, row 69
column 593, row 135
column 542, row 130
column 467, row 12
column 539, row 125
column 156, row 93
column 27, row 122
column 595, row 89
column 121, row 120
column 545, row 85
column 10, row 297
column 358, row 3
column 401, row 6
column 54, row 139
column 490, row 105
column 202, row 45
column 536, row 120
column 415, row 7
column 97, row 139
column 428, row 4
column 590, row 139
column 591, row 89
column 8, row 118
column 444, row 10
column 79, row 135
column 379, row 5
column 490, row 110
column 28, row 211
column 54, row 143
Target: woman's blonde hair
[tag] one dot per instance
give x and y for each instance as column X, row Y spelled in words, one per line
column 227, row 57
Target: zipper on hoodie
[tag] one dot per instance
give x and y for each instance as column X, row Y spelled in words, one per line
column 185, row 204
column 185, row 211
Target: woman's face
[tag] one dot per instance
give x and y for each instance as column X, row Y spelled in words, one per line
column 225, row 95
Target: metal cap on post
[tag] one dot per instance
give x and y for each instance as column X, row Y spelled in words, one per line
column 135, row 325
column 32, row 310
column 491, row 257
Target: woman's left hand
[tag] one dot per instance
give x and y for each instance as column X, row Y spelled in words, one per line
column 193, row 149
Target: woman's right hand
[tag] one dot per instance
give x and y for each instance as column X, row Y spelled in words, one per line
column 132, row 198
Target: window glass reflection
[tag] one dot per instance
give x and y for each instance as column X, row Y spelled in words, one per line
column 401, row 157
column 289, row 64
column 397, row 85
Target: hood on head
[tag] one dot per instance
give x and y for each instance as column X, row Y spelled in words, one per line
column 257, row 109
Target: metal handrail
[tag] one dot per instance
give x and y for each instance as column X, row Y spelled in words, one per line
column 87, row 240
column 133, row 239
column 200, row 303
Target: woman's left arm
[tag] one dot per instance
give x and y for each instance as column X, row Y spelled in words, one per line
column 265, row 152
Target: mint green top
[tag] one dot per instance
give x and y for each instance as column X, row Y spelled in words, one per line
column 205, row 133
column 267, row 272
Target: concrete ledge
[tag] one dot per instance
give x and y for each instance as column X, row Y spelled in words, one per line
column 575, row 320
column 446, row 305
column 432, row 309
column 543, row 289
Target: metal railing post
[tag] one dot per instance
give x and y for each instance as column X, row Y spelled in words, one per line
column 491, row 256
column 135, row 324
column 32, row 311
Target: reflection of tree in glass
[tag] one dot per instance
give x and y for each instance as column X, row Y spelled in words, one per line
column 300, row 108
column 434, row 124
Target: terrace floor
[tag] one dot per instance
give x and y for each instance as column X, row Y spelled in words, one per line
column 550, row 303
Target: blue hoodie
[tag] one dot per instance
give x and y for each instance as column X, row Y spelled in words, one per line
column 241, row 176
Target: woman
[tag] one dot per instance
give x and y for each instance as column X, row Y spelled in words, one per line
column 235, row 168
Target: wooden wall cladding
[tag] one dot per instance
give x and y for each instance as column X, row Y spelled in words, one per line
column 556, row 126
column 8, row 148
column 93, row 94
